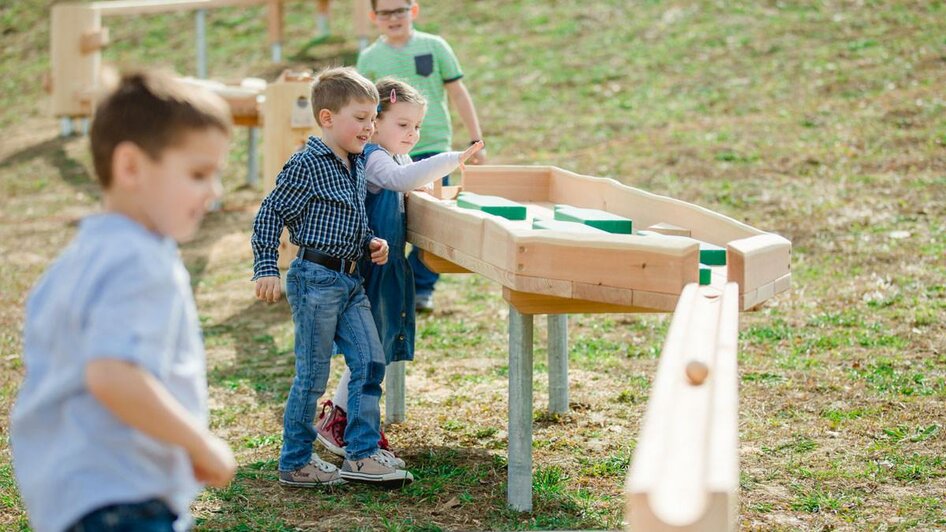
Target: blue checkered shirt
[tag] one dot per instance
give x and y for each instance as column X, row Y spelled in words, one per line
column 322, row 204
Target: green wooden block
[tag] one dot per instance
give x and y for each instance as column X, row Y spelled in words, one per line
column 568, row 227
column 603, row 220
column 712, row 255
column 705, row 274
column 495, row 205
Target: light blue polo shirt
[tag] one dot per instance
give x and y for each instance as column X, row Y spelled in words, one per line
column 121, row 292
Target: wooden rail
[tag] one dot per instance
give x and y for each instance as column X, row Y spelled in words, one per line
column 685, row 472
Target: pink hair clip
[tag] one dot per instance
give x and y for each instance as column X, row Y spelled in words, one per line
column 393, row 96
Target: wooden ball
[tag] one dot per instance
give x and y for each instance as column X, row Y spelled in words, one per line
column 696, row 372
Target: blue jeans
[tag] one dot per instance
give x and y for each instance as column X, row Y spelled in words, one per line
column 331, row 306
column 424, row 279
column 149, row 516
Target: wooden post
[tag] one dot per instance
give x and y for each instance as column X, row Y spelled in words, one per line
column 75, row 74
column 322, row 17
column 274, row 16
column 280, row 138
column 519, row 470
column 558, row 363
column 361, row 22
column 394, row 409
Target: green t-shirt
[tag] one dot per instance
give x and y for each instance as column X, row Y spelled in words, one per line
column 426, row 62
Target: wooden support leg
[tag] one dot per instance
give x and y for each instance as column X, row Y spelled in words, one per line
column 558, row 363
column 322, row 18
column 519, row 471
column 200, row 20
column 252, row 157
column 394, row 411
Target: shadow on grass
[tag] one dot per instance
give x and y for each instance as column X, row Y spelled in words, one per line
column 53, row 151
column 454, row 489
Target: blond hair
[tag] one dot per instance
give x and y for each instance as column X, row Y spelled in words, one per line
column 336, row 87
column 402, row 93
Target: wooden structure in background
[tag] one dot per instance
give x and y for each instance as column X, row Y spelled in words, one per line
column 77, row 38
column 685, row 472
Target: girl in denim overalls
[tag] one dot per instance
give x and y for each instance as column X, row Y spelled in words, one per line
column 390, row 288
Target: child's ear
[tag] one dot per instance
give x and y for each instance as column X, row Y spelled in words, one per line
column 415, row 10
column 126, row 164
column 324, row 117
column 372, row 16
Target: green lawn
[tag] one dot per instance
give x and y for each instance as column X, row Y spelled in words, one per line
column 823, row 121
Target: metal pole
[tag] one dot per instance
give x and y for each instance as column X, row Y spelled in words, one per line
column 65, row 126
column 200, row 17
column 252, row 157
column 394, row 411
column 519, row 471
column 558, row 363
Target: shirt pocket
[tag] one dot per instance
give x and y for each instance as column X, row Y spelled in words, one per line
column 424, row 64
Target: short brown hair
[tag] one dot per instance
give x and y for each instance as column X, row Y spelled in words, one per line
column 402, row 93
column 152, row 110
column 335, row 88
column 374, row 4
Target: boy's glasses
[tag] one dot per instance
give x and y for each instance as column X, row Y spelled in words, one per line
column 386, row 14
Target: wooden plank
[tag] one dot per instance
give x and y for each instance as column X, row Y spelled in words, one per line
column 685, row 471
column 438, row 264
column 280, row 139
column 758, row 260
column 624, row 263
column 148, row 7
column 644, row 208
column 664, row 228
column 441, row 222
column 528, row 303
column 517, row 183
column 73, row 73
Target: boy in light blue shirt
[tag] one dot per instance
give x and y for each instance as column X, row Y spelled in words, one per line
column 110, row 426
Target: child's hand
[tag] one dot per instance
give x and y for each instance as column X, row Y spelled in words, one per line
column 474, row 151
column 213, row 462
column 379, row 251
column 268, row 289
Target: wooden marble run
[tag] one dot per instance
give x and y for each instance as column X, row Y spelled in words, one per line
column 561, row 243
column 546, row 258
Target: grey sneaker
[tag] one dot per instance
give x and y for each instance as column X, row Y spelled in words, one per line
column 424, row 303
column 316, row 473
column 378, row 469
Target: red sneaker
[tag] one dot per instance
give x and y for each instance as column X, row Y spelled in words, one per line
column 331, row 428
column 331, row 433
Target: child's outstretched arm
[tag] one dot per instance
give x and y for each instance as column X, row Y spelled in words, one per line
column 383, row 172
column 460, row 97
column 140, row 401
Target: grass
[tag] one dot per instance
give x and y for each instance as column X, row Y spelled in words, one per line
column 819, row 120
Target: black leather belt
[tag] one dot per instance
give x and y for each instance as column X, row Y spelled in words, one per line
column 330, row 262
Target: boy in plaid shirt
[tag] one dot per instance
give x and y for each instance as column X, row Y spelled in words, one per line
column 320, row 198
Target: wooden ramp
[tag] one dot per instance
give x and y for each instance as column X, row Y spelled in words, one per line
column 685, row 472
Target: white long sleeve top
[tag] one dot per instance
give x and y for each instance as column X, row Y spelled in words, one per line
column 399, row 173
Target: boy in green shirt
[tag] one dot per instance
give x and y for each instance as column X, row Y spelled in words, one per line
column 427, row 63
